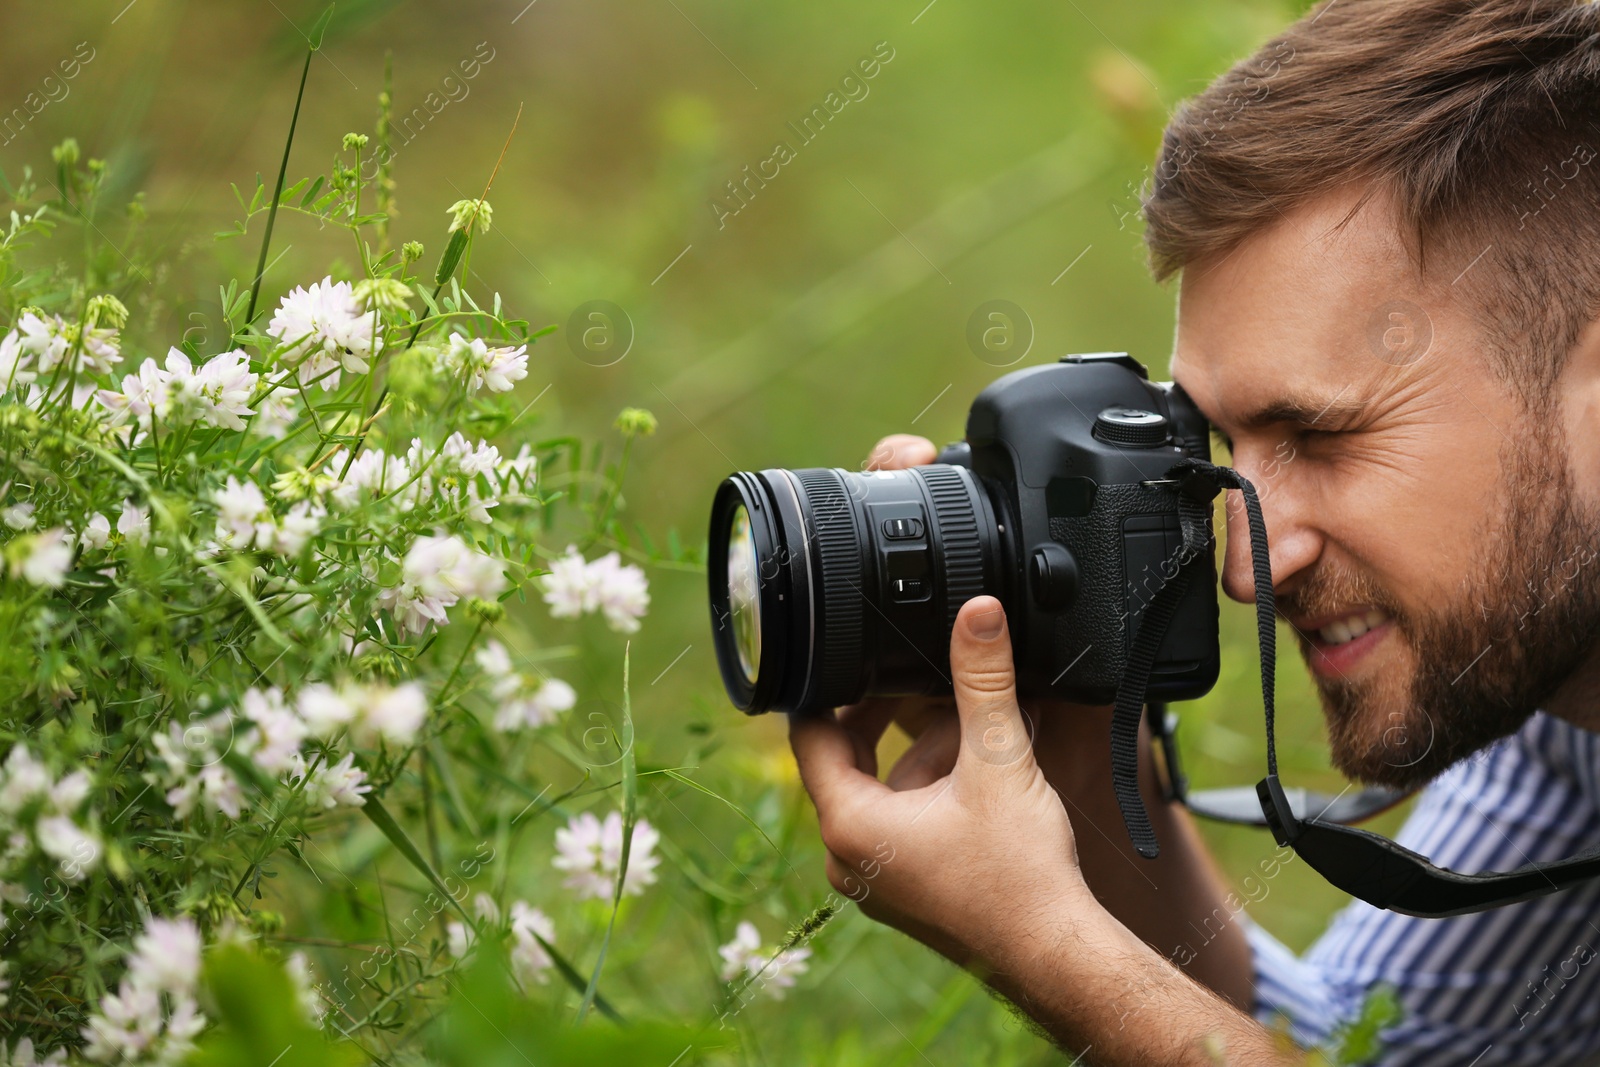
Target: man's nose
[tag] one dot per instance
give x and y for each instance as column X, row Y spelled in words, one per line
column 1293, row 543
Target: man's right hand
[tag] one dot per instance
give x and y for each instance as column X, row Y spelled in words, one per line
column 1179, row 903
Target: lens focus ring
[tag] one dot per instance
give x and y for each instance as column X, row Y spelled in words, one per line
column 955, row 514
column 838, row 544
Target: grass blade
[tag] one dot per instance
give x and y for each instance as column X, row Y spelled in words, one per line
column 630, row 811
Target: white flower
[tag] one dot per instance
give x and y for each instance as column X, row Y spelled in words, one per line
column 275, row 740
column 298, row 527
column 42, row 558
column 526, row 710
column 305, row 987
column 243, row 517
column 97, row 532
column 194, row 768
column 69, row 793
column 458, row 463
column 494, row 660
column 776, row 972
column 394, row 714
column 324, row 329
column 131, row 1026
column 74, row 850
column 591, row 852
column 567, row 588
column 462, row 936
column 530, row 962
column 739, row 953
column 25, row 778
column 275, row 413
column 22, row 1055
column 166, row 956
column 144, row 395
column 621, row 590
column 330, row 786
column 323, row 709
column 134, row 523
column 438, row 571
column 373, row 470
column 480, row 366
column 223, row 387
column 18, row 516
column 37, row 343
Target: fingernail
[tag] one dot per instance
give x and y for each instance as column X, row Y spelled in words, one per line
column 987, row 624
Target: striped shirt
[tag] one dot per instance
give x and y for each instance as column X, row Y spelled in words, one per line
column 1513, row 985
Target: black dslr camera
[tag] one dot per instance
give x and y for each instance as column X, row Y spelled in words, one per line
column 828, row 585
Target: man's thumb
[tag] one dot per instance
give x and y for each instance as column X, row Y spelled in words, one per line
column 993, row 731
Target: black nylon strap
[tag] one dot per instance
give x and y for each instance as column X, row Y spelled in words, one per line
column 1198, row 482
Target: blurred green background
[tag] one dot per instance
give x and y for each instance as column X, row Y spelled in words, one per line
column 996, row 156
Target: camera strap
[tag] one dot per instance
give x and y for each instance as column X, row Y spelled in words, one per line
column 1375, row 869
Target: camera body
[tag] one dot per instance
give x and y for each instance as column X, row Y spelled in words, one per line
column 1069, row 452
column 829, row 585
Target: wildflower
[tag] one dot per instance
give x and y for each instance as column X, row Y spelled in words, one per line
column 470, row 214
column 480, row 366
column 305, row 987
column 153, row 1016
column 323, row 709
column 22, row 1055
column 382, row 294
column 134, row 523
column 275, row 413
column 775, row 971
column 437, row 572
column 243, row 517
column 38, row 343
column 530, row 962
column 274, row 740
column 394, row 714
column 372, row 471
column 354, row 140
column 523, row 704
column 222, row 389
column 411, row 251
column 462, row 937
column 636, row 422
column 591, row 852
column 18, row 516
column 567, row 588
column 24, row 779
column 518, row 472
column 194, row 770
column 324, row 329
column 298, row 527
column 74, row 850
column 621, row 590
column 97, row 532
column 302, row 484
column 332, row 785
column 42, row 558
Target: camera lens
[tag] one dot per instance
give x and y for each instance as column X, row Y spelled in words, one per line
column 829, row 585
column 744, row 603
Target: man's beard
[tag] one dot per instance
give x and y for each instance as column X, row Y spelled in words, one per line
column 1524, row 621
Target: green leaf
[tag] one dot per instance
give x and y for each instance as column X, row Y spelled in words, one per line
column 320, row 28
column 452, row 256
column 259, row 1018
column 402, row 841
column 630, row 813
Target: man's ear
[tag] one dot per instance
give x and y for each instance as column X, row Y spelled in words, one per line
column 1577, row 391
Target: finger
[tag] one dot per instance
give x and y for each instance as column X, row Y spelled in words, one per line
column 865, row 723
column 930, row 757
column 994, row 735
column 826, row 756
column 901, row 450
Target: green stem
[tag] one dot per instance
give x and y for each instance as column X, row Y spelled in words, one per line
column 277, row 193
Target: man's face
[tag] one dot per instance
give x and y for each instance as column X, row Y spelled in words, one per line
column 1432, row 545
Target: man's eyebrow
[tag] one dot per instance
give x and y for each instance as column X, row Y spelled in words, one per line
column 1308, row 412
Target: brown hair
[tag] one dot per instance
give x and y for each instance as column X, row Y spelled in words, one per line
column 1477, row 120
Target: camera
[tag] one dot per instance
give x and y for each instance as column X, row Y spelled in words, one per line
column 829, row 585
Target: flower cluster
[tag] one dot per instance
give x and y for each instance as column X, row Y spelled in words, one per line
column 30, row 794
column 218, row 394
column 591, row 852
column 44, row 352
column 439, row 571
column 530, row 960
column 152, row 1017
column 272, row 734
column 521, row 702
column 617, row 590
column 324, row 329
column 480, row 367
column 743, row 957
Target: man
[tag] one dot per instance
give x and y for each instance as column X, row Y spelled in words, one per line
column 1386, row 224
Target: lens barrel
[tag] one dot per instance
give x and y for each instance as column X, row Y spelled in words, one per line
column 857, row 578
